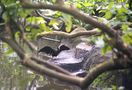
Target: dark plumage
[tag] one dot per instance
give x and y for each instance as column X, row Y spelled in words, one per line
column 48, row 50
column 63, row 47
column 52, row 52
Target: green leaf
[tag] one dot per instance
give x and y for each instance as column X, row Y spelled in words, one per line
column 43, row 27
column 86, row 4
column 124, row 27
column 122, row 10
column 68, row 21
column 78, row 5
column 108, row 15
column 53, row 22
column 127, row 38
column 110, row 5
column 17, row 34
column 35, row 20
column 23, row 13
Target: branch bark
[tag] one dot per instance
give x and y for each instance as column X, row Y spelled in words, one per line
column 119, row 44
column 98, row 70
column 70, row 35
column 23, row 36
column 7, row 37
column 50, row 65
column 28, row 61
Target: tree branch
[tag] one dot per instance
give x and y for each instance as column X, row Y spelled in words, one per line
column 6, row 37
column 21, row 53
column 82, row 82
column 119, row 44
column 101, row 68
column 41, row 69
column 96, row 71
column 50, row 65
column 92, row 74
column 44, row 70
column 23, row 36
column 30, row 44
column 72, row 11
column 69, row 35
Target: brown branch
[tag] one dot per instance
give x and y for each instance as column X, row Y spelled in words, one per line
column 72, row 11
column 30, row 44
column 101, row 68
column 119, row 44
column 70, row 35
column 41, row 69
column 59, row 2
column 50, row 65
column 82, row 82
column 96, row 71
column 14, row 46
column 21, row 53
column 7, row 37
column 27, row 61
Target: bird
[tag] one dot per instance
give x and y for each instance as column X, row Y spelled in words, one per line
column 53, row 52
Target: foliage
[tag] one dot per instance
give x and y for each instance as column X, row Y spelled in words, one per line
column 114, row 12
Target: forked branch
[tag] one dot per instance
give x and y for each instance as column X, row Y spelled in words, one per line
column 117, row 40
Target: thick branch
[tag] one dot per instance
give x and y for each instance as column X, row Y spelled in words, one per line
column 83, row 83
column 70, row 35
column 50, row 65
column 28, row 62
column 23, row 36
column 15, row 47
column 7, row 37
column 30, row 44
column 44, row 70
column 72, row 11
column 87, row 19
column 22, row 54
column 101, row 68
column 95, row 72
